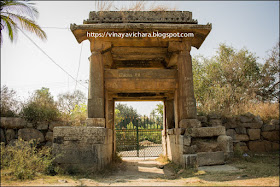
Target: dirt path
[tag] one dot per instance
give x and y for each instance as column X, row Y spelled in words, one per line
column 139, row 172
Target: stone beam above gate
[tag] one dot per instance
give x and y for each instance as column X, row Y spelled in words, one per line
column 141, row 80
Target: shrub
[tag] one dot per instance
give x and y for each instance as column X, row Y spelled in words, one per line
column 25, row 161
column 78, row 114
column 9, row 104
column 72, row 107
column 238, row 152
column 266, row 111
column 40, row 107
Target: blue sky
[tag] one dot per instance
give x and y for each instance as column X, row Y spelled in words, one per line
column 250, row 24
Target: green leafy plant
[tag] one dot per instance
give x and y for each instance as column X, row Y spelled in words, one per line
column 25, row 161
column 233, row 79
column 78, row 114
column 40, row 107
column 9, row 103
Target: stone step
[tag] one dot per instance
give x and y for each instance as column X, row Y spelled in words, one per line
column 190, row 160
column 206, row 131
column 210, row 158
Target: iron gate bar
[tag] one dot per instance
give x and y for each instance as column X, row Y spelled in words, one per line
column 139, row 137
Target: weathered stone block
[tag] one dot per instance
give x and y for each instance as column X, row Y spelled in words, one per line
column 180, row 140
column 210, row 158
column 187, row 140
column 83, row 146
column 258, row 119
column 259, row 146
column 170, row 131
column 240, row 130
column 91, row 135
column 28, row 134
column 254, row 125
column 43, row 125
column 215, row 122
column 274, row 122
column 202, row 119
column 271, row 136
column 179, row 131
column 57, row 124
column 248, row 117
column 190, row 160
column 242, row 146
column 225, row 142
column 3, row 138
column 189, row 123
column 268, row 127
column 206, row 131
column 10, row 134
column 12, row 123
column 189, row 149
column 245, row 125
column 49, row 136
column 214, row 116
column 95, row 122
column 275, row 146
column 241, row 143
column 231, row 133
column 242, row 137
column 206, row 145
column 231, row 123
column 254, row 134
column 29, row 125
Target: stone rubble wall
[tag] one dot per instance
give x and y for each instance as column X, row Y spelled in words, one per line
column 13, row 128
column 248, row 132
column 194, row 144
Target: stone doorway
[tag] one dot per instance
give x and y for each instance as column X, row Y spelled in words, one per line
column 140, row 68
column 138, row 134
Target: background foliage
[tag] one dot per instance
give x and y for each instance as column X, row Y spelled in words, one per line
column 233, row 79
column 40, row 107
column 231, row 82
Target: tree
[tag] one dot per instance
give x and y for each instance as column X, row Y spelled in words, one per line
column 19, row 14
column 78, row 114
column 158, row 110
column 269, row 82
column 229, row 78
column 40, row 107
column 9, row 104
column 126, row 112
column 118, row 118
column 68, row 101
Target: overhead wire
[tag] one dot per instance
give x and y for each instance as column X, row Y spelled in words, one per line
column 51, row 58
column 79, row 65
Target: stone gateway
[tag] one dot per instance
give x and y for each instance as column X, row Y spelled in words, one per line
column 128, row 65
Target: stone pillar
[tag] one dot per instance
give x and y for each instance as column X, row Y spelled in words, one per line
column 170, row 121
column 96, row 91
column 186, row 100
column 109, row 114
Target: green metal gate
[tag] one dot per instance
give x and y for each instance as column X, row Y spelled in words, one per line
column 139, row 137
